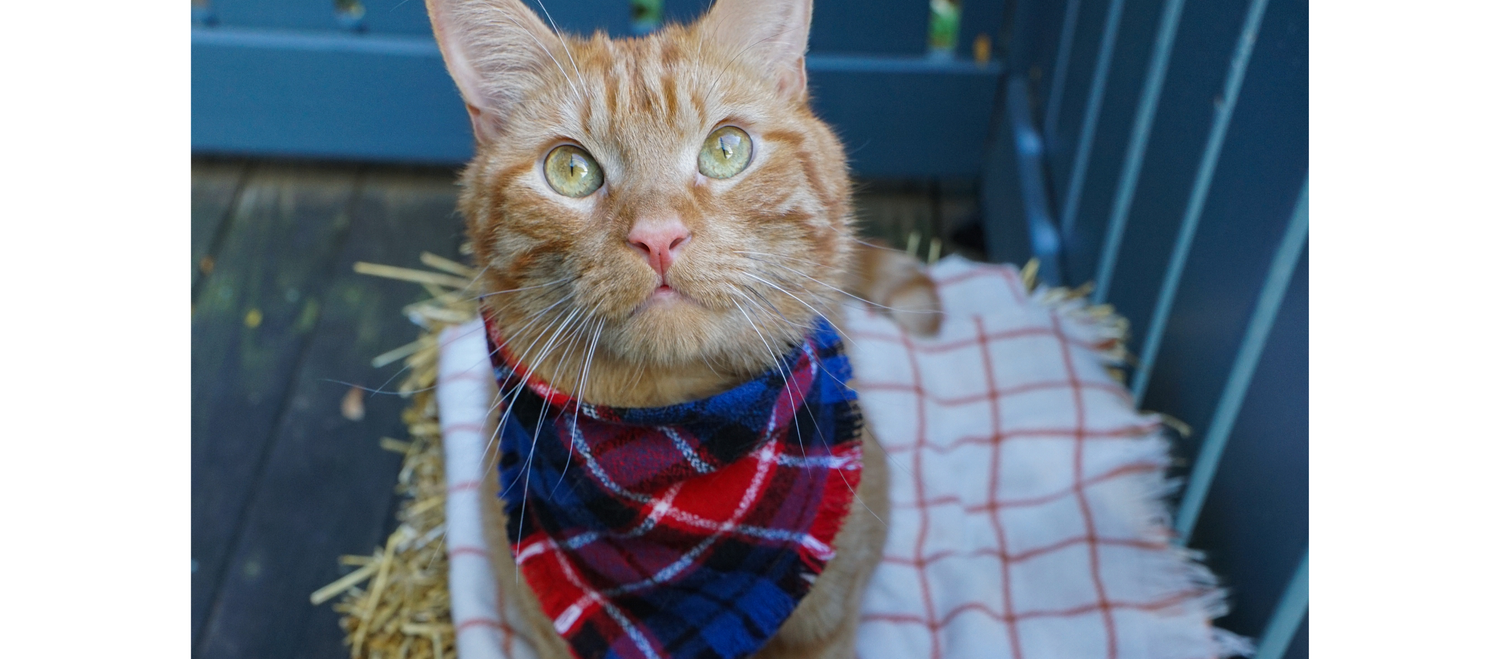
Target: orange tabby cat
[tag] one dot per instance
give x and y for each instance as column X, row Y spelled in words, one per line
column 659, row 219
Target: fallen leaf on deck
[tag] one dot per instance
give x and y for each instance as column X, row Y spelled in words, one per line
column 353, row 405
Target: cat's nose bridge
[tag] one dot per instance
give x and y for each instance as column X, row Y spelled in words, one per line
column 654, row 169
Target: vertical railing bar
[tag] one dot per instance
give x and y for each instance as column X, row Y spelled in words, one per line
column 1091, row 115
column 1287, row 617
column 1044, row 241
column 1060, row 69
column 1278, row 277
column 1201, row 183
column 1140, row 135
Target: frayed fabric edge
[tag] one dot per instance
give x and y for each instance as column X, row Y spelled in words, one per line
column 1107, row 332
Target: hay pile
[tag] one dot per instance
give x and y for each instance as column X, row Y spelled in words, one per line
column 395, row 603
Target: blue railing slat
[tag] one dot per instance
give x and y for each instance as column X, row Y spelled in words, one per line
column 1177, row 183
column 1201, row 184
column 1245, row 362
column 1184, row 119
column 1288, row 616
column 1091, row 115
column 1060, row 70
column 1045, row 243
column 1145, row 117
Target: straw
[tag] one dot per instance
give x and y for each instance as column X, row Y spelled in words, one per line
column 395, row 603
column 409, row 274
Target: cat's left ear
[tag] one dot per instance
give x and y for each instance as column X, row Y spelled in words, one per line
column 498, row 51
column 769, row 33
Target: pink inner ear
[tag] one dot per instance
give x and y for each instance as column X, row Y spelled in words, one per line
column 791, row 82
column 775, row 30
column 493, row 50
column 482, row 128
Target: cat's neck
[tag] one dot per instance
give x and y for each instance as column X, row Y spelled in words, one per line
column 618, row 383
column 607, row 379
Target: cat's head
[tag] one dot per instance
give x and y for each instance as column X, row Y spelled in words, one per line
column 671, row 194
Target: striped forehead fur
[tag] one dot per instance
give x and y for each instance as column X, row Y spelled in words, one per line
column 767, row 245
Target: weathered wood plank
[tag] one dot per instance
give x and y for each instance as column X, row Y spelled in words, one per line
column 251, row 322
column 327, row 486
column 215, row 184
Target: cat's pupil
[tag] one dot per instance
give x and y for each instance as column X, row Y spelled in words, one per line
column 576, row 163
column 727, row 145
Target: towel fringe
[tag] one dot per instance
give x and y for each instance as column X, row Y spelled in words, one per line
column 1108, row 333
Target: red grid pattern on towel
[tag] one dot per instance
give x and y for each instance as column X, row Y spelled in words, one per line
column 1041, row 613
column 921, row 559
column 1011, row 614
column 1083, row 503
column 993, row 489
column 498, row 623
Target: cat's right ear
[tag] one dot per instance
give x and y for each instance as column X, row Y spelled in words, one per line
column 496, row 50
column 770, row 34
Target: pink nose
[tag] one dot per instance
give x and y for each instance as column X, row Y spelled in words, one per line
column 660, row 241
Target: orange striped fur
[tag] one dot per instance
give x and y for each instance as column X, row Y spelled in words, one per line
column 770, row 248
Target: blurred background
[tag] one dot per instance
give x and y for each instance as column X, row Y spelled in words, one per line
column 1153, row 150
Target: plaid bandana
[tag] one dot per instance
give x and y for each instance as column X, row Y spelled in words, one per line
column 690, row 530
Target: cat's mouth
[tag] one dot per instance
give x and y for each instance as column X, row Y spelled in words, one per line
column 665, row 296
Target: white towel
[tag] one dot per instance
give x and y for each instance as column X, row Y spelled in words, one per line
column 465, row 391
column 1026, row 489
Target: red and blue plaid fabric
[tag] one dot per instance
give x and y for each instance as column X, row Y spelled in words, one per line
column 690, row 530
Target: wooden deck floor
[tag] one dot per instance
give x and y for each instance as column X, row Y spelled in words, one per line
column 282, row 482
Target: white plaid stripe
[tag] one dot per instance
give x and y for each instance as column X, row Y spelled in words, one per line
column 765, row 457
column 687, row 451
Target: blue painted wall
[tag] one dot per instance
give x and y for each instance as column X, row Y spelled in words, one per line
column 288, row 78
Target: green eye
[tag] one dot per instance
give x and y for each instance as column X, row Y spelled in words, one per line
column 725, row 153
column 572, row 172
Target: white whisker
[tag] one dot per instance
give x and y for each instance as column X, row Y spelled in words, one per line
column 842, row 334
column 560, row 68
column 786, row 378
column 523, row 288
column 564, row 41
column 578, row 398
column 537, row 433
column 835, row 288
column 523, row 358
column 521, row 380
